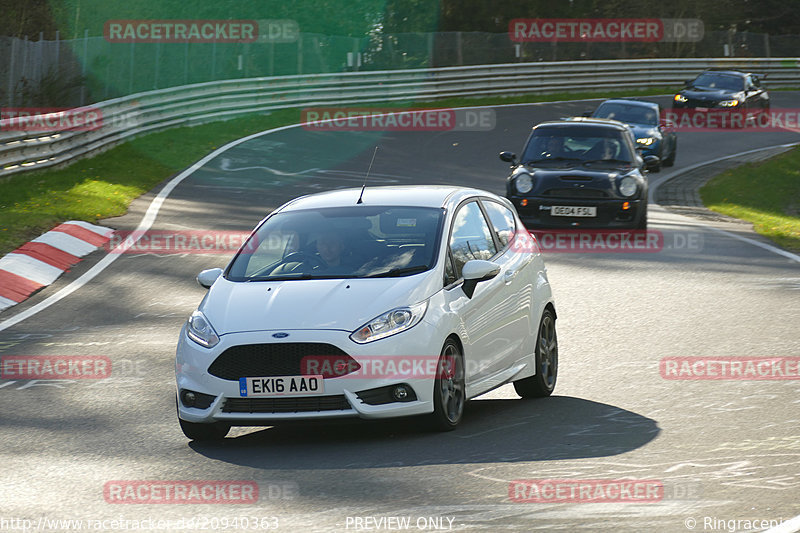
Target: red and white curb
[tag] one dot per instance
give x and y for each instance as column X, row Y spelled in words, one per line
column 41, row 261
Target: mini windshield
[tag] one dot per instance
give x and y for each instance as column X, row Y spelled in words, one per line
column 341, row 242
column 719, row 81
column 628, row 113
column 576, row 144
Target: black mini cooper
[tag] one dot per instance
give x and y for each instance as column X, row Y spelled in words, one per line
column 580, row 173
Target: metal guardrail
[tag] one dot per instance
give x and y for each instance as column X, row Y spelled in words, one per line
column 129, row 116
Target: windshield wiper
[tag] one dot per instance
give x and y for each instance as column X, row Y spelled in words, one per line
column 395, row 272
column 282, row 277
column 617, row 161
column 546, row 159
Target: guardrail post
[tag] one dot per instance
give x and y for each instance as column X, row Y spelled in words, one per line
column 11, row 72
column 83, row 65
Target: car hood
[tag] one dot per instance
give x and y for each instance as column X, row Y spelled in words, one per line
column 644, row 130
column 710, row 94
column 336, row 304
column 599, row 171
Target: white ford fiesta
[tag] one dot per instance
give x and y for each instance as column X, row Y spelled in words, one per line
column 372, row 303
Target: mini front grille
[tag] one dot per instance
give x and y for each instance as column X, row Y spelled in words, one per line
column 303, row 404
column 577, row 192
column 278, row 359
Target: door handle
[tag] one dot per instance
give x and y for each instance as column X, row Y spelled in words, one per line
column 509, row 275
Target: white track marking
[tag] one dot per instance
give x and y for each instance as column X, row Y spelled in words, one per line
column 765, row 246
column 146, row 223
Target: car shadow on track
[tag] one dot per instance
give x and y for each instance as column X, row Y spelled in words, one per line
column 493, row 430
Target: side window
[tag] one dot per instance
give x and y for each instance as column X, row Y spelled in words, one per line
column 471, row 237
column 502, row 220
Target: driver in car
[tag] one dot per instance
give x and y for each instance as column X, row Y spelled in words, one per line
column 330, row 248
column 603, row 149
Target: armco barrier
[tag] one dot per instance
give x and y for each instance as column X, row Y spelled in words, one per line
column 140, row 113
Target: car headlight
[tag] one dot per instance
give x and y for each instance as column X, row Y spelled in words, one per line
column 628, row 186
column 524, row 183
column 645, row 141
column 199, row 329
column 680, row 98
column 729, row 103
column 390, row 323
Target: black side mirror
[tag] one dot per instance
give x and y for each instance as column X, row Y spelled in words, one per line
column 652, row 163
column 509, row 157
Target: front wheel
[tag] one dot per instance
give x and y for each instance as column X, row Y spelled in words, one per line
column 449, row 389
column 204, row 432
column 544, row 381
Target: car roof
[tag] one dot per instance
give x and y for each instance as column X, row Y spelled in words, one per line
column 725, row 72
column 584, row 122
column 629, row 101
column 413, row 195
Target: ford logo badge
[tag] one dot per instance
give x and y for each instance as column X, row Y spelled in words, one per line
column 280, row 335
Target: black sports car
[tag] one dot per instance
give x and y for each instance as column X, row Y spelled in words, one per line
column 723, row 90
column 580, row 172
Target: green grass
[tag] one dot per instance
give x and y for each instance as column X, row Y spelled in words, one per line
column 103, row 186
column 766, row 194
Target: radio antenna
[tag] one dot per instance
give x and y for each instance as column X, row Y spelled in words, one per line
column 360, row 201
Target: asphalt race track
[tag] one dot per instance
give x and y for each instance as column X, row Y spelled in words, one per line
column 724, row 449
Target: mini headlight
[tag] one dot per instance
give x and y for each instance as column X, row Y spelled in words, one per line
column 680, row 98
column 199, row 329
column 628, row 186
column 523, row 183
column 390, row 323
column 646, row 141
column 729, row 103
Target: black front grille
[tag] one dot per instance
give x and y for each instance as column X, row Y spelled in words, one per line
column 577, row 192
column 302, row 404
column 273, row 359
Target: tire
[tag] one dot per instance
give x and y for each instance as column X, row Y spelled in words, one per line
column 449, row 388
column 204, row 432
column 670, row 161
column 643, row 221
column 544, row 382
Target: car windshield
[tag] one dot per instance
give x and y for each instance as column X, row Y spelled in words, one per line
column 343, row 242
column 628, row 113
column 719, row 81
column 577, row 145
